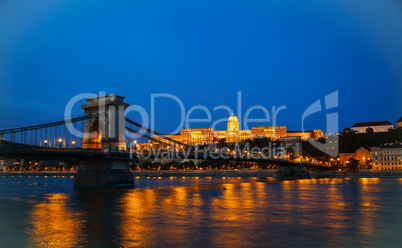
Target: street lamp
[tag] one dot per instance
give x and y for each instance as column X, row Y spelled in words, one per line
column 60, row 140
column 45, row 143
column 73, row 142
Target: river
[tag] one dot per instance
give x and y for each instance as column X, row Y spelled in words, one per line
column 201, row 212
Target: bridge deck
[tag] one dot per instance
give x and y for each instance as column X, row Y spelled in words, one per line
column 225, row 156
column 37, row 151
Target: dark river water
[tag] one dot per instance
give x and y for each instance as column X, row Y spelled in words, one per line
column 198, row 212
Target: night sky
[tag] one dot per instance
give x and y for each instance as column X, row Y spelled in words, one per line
column 204, row 52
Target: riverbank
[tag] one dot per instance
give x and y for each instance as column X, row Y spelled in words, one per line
column 158, row 173
column 37, row 173
column 366, row 174
column 215, row 173
column 206, row 173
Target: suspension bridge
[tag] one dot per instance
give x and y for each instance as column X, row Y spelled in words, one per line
column 98, row 139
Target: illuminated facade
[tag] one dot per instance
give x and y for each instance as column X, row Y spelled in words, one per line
column 362, row 154
column 387, row 157
column 377, row 126
column 232, row 133
column 195, row 136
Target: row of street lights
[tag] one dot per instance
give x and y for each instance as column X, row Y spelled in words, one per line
column 151, row 145
column 60, row 140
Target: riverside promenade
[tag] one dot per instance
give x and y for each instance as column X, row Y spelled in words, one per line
column 215, row 173
column 158, row 173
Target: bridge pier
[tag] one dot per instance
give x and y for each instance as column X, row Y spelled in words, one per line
column 106, row 172
column 287, row 172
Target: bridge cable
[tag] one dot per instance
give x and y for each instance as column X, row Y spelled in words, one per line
column 46, row 125
column 155, row 133
column 146, row 136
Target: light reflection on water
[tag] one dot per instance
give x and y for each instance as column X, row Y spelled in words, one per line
column 199, row 212
column 54, row 224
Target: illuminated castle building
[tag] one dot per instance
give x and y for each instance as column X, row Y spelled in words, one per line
column 195, row 136
column 232, row 133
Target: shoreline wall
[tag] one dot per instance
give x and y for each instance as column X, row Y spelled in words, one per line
column 215, row 173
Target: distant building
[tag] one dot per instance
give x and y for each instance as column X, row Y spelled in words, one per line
column 305, row 135
column 207, row 135
column 377, row 126
column 399, row 123
column 387, row 157
column 362, row 154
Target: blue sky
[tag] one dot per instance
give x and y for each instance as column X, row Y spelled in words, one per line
column 204, row 52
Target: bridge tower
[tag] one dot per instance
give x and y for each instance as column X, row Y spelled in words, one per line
column 295, row 144
column 295, row 170
column 107, row 130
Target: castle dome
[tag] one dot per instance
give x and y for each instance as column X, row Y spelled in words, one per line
column 233, row 118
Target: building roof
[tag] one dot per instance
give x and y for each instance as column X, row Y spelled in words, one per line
column 193, row 128
column 267, row 127
column 233, row 118
column 400, row 120
column 365, row 148
column 305, row 131
column 391, row 145
column 372, row 123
